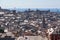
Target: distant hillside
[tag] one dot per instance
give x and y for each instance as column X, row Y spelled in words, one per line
column 51, row 10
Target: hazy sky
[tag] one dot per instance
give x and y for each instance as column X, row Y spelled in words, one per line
column 30, row 3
